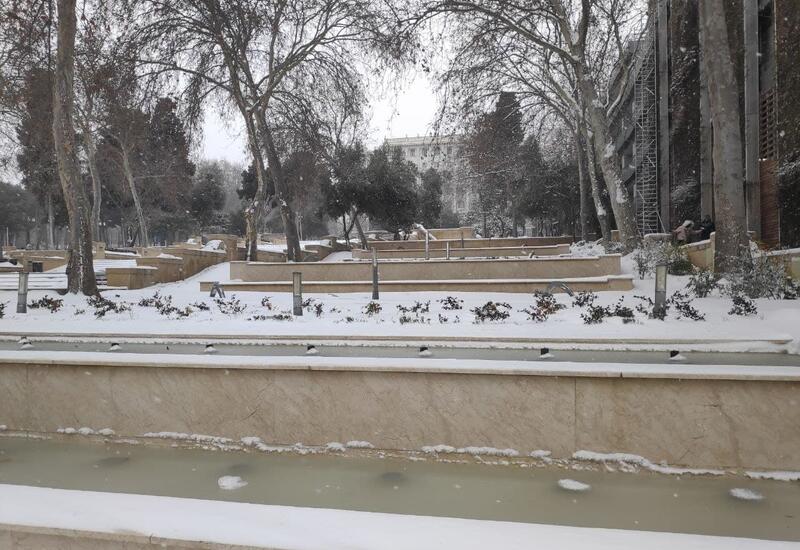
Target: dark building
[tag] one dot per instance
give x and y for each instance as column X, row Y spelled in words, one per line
column 663, row 129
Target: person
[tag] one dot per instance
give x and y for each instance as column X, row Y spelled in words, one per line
column 683, row 232
column 706, row 228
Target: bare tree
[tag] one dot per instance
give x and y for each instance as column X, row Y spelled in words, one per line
column 723, row 100
column 80, row 266
column 563, row 50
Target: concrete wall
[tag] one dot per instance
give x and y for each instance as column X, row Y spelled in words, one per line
column 452, row 233
column 723, row 421
column 472, row 243
column 169, row 269
column 20, row 537
column 195, row 261
column 553, row 250
column 538, row 268
column 131, row 278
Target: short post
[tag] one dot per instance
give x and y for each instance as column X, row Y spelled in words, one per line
column 427, row 246
column 375, row 294
column 216, row 290
column 447, row 250
column 297, row 293
column 462, row 240
column 22, row 292
column 661, row 289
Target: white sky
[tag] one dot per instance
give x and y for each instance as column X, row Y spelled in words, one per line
column 409, row 112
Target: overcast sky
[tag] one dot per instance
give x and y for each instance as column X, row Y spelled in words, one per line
column 410, row 112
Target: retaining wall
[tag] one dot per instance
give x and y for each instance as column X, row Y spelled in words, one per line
column 431, row 270
column 666, row 413
column 472, row 243
column 553, row 250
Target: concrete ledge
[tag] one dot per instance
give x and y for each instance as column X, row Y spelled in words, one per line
column 720, row 417
column 545, row 268
column 553, row 250
column 618, row 283
column 472, row 243
column 195, row 261
column 170, row 269
column 131, row 278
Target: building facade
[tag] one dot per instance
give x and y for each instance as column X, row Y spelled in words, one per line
column 446, row 155
column 664, row 132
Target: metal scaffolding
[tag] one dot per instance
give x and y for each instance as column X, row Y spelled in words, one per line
column 645, row 119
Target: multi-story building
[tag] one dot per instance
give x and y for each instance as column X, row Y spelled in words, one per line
column 663, row 129
column 445, row 154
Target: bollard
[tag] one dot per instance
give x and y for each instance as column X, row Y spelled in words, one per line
column 217, row 290
column 661, row 290
column 447, row 250
column 427, row 246
column 297, row 293
column 462, row 240
column 375, row 294
column 22, row 292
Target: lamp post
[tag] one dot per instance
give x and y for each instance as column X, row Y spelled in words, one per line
column 661, row 290
column 297, row 293
column 375, row 294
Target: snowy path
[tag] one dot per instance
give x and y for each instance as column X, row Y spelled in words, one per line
column 293, row 528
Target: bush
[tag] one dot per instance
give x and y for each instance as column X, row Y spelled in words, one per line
column 651, row 254
column 2, row 309
column 584, row 299
column 417, row 308
column 755, row 277
column 744, row 306
column 232, row 306
column 648, row 307
column 492, row 311
column 450, row 303
column 597, row 314
column 683, row 305
column 266, row 303
column 200, row 306
column 702, row 283
column 372, row 308
column 544, row 306
column 791, row 290
column 51, row 304
column 102, row 306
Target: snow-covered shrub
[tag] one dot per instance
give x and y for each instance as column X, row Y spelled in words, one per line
column 491, row 311
column 613, row 247
column 200, row 306
column 584, row 299
column 683, row 305
column 372, row 308
column 755, row 276
column 622, row 311
column 266, row 303
column 405, row 319
column 677, row 261
column 102, row 306
column 742, row 305
column 282, row 316
column 46, row 302
column 702, row 283
column 544, row 306
column 417, row 308
column 450, row 303
column 596, row 314
column 318, row 309
column 652, row 253
column 164, row 306
column 648, row 307
column 2, row 309
column 232, row 306
column 443, row 319
column 791, row 291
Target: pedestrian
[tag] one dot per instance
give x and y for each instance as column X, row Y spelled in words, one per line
column 683, row 232
column 706, row 228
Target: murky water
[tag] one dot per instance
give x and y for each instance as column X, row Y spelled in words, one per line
column 501, row 354
column 642, row 501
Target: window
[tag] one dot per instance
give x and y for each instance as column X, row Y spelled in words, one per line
column 425, row 152
column 412, row 152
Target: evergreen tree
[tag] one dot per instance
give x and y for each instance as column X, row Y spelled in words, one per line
column 390, row 198
column 430, row 198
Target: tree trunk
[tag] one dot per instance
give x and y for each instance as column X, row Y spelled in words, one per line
column 293, row 250
column 97, row 192
column 80, row 263
column 729, row 208
column 584, row 188
column 144, row 237
column 51, row 223
column 597, row 191
column 361, row 236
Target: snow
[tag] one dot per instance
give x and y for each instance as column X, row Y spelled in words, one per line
column 335, row 446
column 474, row 451
column 572, row 485
column 777, row 320
column 410, row 364
column 294, row 528
column 775, row 476
column 627, row 460
column 540, row 453
column 745, row 494
column 231, row 483
column 360, row 445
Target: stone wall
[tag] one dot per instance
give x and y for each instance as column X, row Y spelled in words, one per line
column 131, row 278
column 720, row 421
column 414, row 270
column 553, row 250
column 472, row 243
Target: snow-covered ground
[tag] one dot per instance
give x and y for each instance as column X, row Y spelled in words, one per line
column 345, row 315
column 293, row 528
